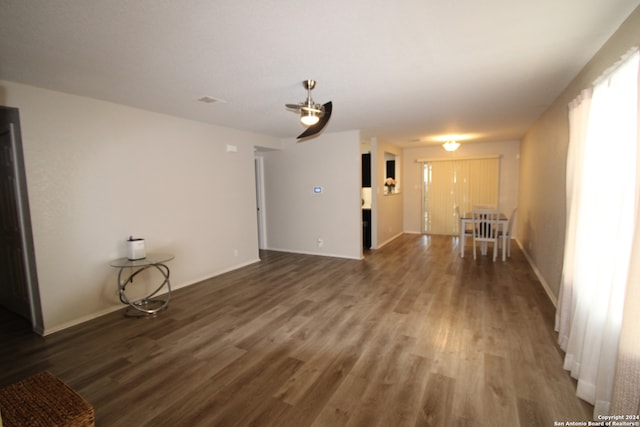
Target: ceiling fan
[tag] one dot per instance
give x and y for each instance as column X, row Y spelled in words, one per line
column 312, row 115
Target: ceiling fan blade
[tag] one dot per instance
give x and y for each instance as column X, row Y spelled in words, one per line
column 294, row 106
column 315, row 129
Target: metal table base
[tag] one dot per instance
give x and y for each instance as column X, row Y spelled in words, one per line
column 152, row 303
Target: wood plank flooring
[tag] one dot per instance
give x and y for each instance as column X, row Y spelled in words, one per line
column 413, row 335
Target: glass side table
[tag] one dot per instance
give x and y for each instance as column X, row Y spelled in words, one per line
column 149, row 304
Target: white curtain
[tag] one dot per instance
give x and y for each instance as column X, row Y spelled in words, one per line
column 578, row 120
column 602, row 200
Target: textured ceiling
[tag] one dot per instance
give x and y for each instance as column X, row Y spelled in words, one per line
column 405, row 71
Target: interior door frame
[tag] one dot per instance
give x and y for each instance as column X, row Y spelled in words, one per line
column 11, row 116
column 259, row 175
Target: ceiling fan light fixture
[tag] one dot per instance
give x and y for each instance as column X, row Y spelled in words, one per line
column 314, row 116
column 309, row 118
column 451, row 145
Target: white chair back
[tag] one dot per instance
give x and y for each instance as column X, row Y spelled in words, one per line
column 485, row 224
column 508, row 235
column 485, row 207
column 485, row 228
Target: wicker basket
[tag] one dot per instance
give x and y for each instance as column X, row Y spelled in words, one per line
column 44, row 400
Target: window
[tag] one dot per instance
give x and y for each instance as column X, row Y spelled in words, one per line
column 464, row 183
column 601, row 189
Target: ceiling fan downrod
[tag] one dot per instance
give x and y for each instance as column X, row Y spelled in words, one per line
column 309, row 85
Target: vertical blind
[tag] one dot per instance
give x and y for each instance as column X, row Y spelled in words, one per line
column 464, row 183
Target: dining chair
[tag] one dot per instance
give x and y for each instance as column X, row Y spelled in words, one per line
column 466, row 232
column 485, row 229
column 506, row 236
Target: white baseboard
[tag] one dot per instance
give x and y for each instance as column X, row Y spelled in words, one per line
column 217, row 273
column 544, row 283
column 389, row 240
column 74, row 322
column 116, row 307
column 291, row 251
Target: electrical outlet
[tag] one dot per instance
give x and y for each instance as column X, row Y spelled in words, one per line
column 320, row 242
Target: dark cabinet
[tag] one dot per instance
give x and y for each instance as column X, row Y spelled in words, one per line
column 366, row 170
column 366, row 228
column 366, row 213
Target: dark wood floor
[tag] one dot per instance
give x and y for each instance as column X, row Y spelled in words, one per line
column 412, row 335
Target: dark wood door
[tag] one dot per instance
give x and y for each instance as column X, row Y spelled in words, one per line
column 14, row 291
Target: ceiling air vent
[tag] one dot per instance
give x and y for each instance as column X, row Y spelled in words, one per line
column 211, row 100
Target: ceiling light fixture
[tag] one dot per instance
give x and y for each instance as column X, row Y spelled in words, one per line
column 309, row 117
column 313, row 116
column 451, row 145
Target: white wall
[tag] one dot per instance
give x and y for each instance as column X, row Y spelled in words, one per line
column 297, row 217
column 388, row 209
column 509, row 173
column 98, row 172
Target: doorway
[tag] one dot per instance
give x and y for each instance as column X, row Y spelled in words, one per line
column 18, row 279
column 259, row 174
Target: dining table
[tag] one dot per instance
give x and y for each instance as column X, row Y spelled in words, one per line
column 467, row 219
